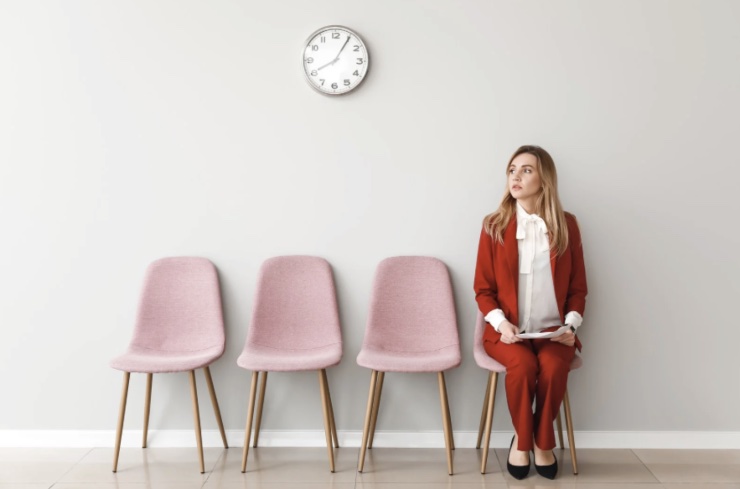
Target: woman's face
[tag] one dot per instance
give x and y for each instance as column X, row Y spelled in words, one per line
column 524, row 179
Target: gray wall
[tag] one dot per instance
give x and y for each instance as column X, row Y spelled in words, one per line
column 135, row 130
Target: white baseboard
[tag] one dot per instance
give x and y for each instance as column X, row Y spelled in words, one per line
column 316, row 438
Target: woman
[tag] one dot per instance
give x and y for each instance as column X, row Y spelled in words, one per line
column 530, row 277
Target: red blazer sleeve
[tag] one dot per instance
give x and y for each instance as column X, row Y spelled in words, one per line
column 486, row 290
column 577, row 288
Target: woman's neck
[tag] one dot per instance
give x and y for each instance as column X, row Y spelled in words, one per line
column 528, row 205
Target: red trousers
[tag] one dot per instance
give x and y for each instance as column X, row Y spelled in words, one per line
column 536, row 371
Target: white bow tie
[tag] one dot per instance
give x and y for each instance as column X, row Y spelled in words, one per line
column 527, row 229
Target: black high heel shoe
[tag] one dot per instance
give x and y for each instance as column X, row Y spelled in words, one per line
column 518, row 472
column 547, row 471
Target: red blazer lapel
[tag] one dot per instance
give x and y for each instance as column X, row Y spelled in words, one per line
column 511, row 248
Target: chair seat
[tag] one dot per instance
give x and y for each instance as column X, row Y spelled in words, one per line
column 260, row 358
column 144, row 360
column 404, row 361
column 483, row 360
column 486, row 362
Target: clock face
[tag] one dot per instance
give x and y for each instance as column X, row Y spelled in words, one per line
column 335, row 60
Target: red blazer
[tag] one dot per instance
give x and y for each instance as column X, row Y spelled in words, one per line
column 497, row 276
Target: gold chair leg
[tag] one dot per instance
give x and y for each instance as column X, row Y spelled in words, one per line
column 250, row 414
column 327, row 418
column 483, row 412
column 571, row 437
column 376, row 408
column 560, row 430
column 445, row 419
column 121, row 415
column 489, row 420
column 368, row 415
column 331, row 410
column 196, row 419
column 260, row 403
column 147, row 404
column 449, row 421
column 214, row 402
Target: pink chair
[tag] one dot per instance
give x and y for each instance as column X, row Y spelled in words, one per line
column 179, row 328
column 295, row 327
column 411, row 328
column 486, row 416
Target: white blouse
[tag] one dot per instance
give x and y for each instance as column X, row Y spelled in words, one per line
column 538, row 308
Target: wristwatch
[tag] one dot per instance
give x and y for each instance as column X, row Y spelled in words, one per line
column 573, row 329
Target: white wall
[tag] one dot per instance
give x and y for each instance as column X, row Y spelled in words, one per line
column 135, row 130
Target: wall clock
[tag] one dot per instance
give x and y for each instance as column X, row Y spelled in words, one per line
column 335, row 60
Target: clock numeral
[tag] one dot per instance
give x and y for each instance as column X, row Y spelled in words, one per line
column 357, row 48
column 360, row 61
column 323, row 38
column 314, row 73
column 315, row 47
column 334, row 86
column 322, row 81
column 356, row 73
column 346, row 83
column 309, row 60
column 335, row 35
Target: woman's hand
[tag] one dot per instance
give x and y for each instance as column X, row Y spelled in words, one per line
column 568, row 338
column 508, row 333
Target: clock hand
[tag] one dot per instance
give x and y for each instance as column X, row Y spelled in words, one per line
column 327, row 64
column 343, row 46
column 337, row 56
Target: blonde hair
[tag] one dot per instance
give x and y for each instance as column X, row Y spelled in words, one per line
column 547, row 206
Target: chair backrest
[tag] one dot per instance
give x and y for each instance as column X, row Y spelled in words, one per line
column 295, row 305
column 412, row 308
column 180, row 306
